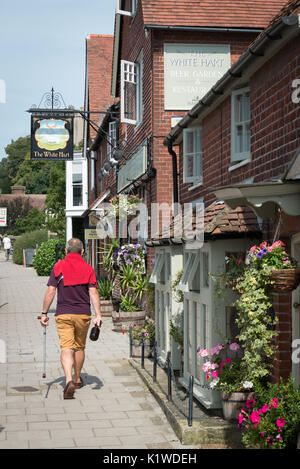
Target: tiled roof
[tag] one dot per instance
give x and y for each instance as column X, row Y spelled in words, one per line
column 219, row 221
column 210, row 13
column 99, row 49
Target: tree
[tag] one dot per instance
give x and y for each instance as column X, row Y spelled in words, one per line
column 16, row 209
column 35, row 220
column 16, row 152
column 4, row 179
column 34, row 175
column 56, row 199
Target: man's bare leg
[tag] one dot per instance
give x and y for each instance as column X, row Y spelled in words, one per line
column 67, row 361
column 79, row 357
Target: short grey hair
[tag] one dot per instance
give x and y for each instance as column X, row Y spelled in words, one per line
column 74, row 245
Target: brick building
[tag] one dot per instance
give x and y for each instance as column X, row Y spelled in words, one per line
column 238, row 152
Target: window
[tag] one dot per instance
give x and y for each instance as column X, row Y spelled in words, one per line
column 77, row 183
column 132, row 91
column 162, row 268
column 131, row 6
column 240, row 125
column 192, row 156
column 112, row 138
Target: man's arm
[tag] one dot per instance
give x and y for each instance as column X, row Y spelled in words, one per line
column 48, row 299
column 94, row 296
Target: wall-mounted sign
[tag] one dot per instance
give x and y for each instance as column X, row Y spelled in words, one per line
column 3, row 217
column 134, row 167
column 190, row 70
column 51, row 137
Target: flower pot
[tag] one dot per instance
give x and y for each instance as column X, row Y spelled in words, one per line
column 123, row 320
column 285, row 280
column 232, row 403
column 106, row 308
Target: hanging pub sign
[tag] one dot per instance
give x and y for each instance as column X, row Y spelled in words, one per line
column 51, row 136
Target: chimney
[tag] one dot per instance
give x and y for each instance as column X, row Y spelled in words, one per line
column 18, row 190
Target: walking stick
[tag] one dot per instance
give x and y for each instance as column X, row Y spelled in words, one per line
column 44, row 349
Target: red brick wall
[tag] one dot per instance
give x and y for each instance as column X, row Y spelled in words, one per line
column 282, row 304
column 275, row 123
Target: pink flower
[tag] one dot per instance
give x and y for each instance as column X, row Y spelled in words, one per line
column 207, row 376
column 228, row 360
column 274, row 402
column 270, row 249
column 279, row 437
column 280, row 423
column 253, row 249
column 254, row 417
column 214, row 366
column 206, row 367
column 250, row 403
column 234, row 347
column 263, row 245
column 240, row 261
column 203, row 353
column 241, row 418
column 262, row 434
column 214, row 374
column 265, row 408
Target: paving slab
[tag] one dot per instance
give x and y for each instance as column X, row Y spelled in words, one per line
column 114, row 410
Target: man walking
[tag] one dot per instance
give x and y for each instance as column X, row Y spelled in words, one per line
column 7, row 246
column 76, row 285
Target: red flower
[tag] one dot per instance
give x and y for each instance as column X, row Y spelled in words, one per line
column 263, row 245
column 250, row 403
column 274, row 402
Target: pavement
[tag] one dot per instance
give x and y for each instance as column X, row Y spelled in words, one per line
column 114, row 410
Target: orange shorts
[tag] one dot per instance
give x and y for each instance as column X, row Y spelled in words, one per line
column 72, row 330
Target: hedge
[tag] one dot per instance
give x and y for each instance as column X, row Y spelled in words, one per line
column 27, row 240
column 45, row 258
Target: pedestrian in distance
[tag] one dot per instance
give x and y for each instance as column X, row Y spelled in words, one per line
column 76, row 285
column 7, row 246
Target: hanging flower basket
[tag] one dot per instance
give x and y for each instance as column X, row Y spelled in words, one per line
column 285, row 280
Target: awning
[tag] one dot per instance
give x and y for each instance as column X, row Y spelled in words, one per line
column 263, row 197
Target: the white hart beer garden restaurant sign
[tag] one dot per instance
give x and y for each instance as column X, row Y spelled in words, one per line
column 190, row 71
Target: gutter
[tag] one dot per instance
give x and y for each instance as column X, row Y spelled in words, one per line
column 203, row 28
column 236, row 71
column 175, row 176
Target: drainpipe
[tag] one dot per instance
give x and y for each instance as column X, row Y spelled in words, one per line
column 175, row 175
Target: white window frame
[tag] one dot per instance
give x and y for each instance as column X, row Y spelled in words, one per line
column 236, row 157
column 125, row 12
column 132, row 72
column 112, row 137
column 189, row 271
column 196, row 154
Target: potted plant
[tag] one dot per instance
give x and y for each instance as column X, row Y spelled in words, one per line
column 105, row 292
column 223, row 370
column 272, row 419
column 147, row 332
column 129, row 263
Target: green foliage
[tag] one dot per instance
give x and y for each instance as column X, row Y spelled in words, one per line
column 104, row 289
column 45, row 257
column 34, row 220
column 28, row 240
column 178, row 294
column 128, row 303
column 176, row 331
column 256, row 326
column 150, row 298
column 56, row 199
column 260, row 421
column 16, row 153
column 5, row 182
column 148, row 330
column 34, row 175
column 17, row 209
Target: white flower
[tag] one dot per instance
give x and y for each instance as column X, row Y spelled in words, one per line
column 247, row 385
column 214, row 383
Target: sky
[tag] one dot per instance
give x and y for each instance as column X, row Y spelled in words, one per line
column 42, row 44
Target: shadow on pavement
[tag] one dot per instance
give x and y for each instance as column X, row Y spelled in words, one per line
column 87, row 379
